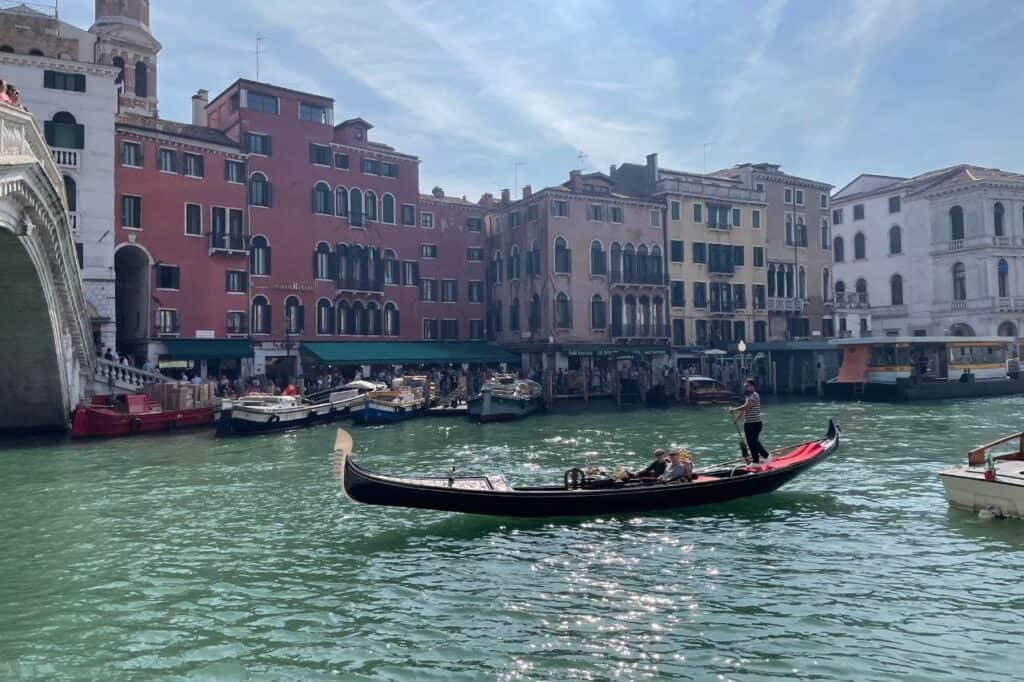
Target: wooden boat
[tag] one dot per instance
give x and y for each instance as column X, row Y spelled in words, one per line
column 708, row 391
column 110, row 416
column 505, row 397
column 989, row 482
column 577, row 496
column 261, row 412
column 405, row 401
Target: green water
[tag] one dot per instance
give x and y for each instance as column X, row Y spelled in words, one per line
column 188, row 556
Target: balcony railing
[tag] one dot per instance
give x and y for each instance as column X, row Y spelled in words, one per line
column 955, row 245
column 852, row 300
column 1002, row 241
column 351, row 283
column 69, row 159
column 639, row 331
column 641, row 278
column 229, row 243
column 777, row 304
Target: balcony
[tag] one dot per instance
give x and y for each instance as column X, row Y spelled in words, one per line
column 650, row 279
column 852, row 301
column 68, row 159
column 786, row 305
column 639, row 332
column 887, row 311
column 360, row 284
column 222, row 242
column 984, row 304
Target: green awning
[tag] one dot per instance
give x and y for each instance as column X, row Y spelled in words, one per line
column 208, row 349
column 407, row 352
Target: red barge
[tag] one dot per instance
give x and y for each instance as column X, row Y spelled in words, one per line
column 108, row 416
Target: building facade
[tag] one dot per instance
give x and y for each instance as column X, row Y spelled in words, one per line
column 941, row 253
column 798, row 244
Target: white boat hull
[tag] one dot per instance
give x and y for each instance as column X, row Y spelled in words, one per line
column 967, row 488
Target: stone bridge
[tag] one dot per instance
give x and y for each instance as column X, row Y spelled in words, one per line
column 46, row 350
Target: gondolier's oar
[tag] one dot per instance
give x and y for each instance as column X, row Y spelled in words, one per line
column 742, row 437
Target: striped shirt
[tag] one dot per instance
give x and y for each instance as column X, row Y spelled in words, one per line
column 752, row 411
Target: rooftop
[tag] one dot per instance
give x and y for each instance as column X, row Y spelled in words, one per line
column 176, row 129
column 245, row 82
column 867, row 184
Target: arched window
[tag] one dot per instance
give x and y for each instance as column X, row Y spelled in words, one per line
column 802, row 284
column 1003, row 274
column 896, row 289
column 534, row 313
column 598, row 317
column 840, row 291
column 64, row 131
column 324, row 317
column 391, row 273
column 513, row 263
column 616, row 255
column 259, row 256
column 837, row 250
column 391, row 319
column 658, row 316
column 998, row 219
column 373, row 318
column 642, row 263
column 71, row 191
column 260, row 315
column 293, row 316
column 260, row 190
column 358, row 326
column 643, row 315
column 826, row 285
column 629, row 264
column 616, row 315
column 496, row 317
column 824, row 233
column 655, row 269
column 860, row 249
column 959, row 282
column 341, row 202
column 357, row 266
column 895, row 240
column 563, row 311
column 790, row 239
column 513, row 316
column 862, row 290
column 598, row 266
column 387, row 209
column 629, row 315
column 956, row 223
column 355, row 207
column 771, row 281
column 119, row 64
column 496, row 272
column 322, row 261
column 141, row 80
column 801, row 232
column 563, row 260
column 370, row 206
column 343, row 269
column 344, row 323
column 322, row 199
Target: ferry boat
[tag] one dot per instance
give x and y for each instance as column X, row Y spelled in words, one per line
column 261, row 412
column 505, row 397
column 708, row 391
column 110, row 416
column 989, row 483
column 909, row 368
column 406, row 399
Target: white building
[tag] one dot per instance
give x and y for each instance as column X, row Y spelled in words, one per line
column 938, row 254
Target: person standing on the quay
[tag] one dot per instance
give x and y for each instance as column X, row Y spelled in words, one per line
column 752, row 424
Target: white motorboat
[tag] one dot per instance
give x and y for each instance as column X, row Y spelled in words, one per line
column 989, row 482
column 260, row 412
column 506, row 397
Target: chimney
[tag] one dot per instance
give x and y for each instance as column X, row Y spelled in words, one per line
column 527, row 191
column 486, row 200
column 438, row 192
column 575, row 181
column 611, row 170
column 652, row 169
column 199, row 102
column 506, row 196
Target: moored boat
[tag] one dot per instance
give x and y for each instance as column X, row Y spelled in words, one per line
column 989, row 482
column 505, row 397
column 110, row 416
column 707, row 391
column 404, row 401
column 577, row 496
column 260, row 412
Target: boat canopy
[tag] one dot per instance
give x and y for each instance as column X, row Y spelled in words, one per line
column 208, row 349
column 407, row 352
column 855, row 365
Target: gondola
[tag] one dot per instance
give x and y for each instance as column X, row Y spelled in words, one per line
column 578, row 495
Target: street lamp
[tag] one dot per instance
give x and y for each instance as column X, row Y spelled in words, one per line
column 742, row 348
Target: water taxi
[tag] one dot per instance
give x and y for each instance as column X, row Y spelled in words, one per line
column 909, row 368
column 707, row 391
column 506, row 396
column 989, row 482
column 407, row 398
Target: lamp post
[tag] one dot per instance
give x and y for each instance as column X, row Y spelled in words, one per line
column 742, row 348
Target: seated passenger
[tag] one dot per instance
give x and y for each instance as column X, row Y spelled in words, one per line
column 655, row 468
column 678, row 469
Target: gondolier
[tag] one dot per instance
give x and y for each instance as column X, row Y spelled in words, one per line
column 750, row 411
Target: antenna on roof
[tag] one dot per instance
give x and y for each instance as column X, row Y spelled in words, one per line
column 515, row 176
column 259, row 49
column 581, row 156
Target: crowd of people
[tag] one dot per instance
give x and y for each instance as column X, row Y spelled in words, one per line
column 9, row 95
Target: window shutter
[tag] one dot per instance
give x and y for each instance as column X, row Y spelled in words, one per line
column 268, row 321
column 737, row 255
column 316, row 257
column 416, row 273
column 80, row 138
column 247, row 144
column 300, row 313
column 268, row 259
column 312, row 153
column 252, row 259
column 270, row 194
column 330, row 320
column 142, row 155
column 48, row 79
column 80, row 82
column 313, row 202
column 227, row 280
column 48, row 132
column 267, row 144
column 201, row 166
column 332, row 266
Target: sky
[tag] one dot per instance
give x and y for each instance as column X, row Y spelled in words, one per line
column 485, row 92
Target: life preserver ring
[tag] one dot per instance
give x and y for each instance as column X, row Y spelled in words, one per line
column 574, row 478
column 274, row 418
column 135, row 425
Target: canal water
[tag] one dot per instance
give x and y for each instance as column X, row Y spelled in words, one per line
column 188, row 556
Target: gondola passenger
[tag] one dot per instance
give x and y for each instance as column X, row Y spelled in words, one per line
column 678, row 469
column 655, row 468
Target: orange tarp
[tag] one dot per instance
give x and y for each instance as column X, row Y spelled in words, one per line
column 855, row 365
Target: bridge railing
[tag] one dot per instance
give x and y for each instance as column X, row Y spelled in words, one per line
column 116, row 374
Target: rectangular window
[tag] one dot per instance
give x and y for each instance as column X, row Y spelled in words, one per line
column 234, row 171
column 718, row 217
column 56, row 80
column 80, row 254
column 655, row 217
column 799, row 197
column 789, row 196
column 739, row 296
column 167, row 321
column 131, row 212
column 676, row 251
column 449, row 291
column 428, row 250
column 595, row 212
column 825, row 241
column 475, row 224
column 193, row 219
column 167, row 277
column 314, row 113
column 698, row 213
column 823, row 200
column 257, row 144
column 755, row 219
column 131, row 154
column 758, row 256
column 531, row 213
column 218, row 221
column 737, row 255
column 408, row 214
column 427, row 220
column 699, row 251
column 837, row 216
column 370, row 167
column 341, row 161
column 410, row 273
column 674, row 209
column 167, row 161
column 429, row 330
column 615, row 214
column 237, row 322
column 257, row 101
column 736, row 216
column 513, row 219
column 894, row 204
column 700, row 295
column 560, row 209
column 475, row 254
column 319, row 155
column 236, row 281
column 758, row 296
column 428, row 289
column 475, row 292
column 449, row 330
column 388, row 170
column 476, row 330
column 858, row 211
column 193, row 165
column 678, row 294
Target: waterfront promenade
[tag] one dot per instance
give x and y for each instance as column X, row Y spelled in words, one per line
column 187, row 555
